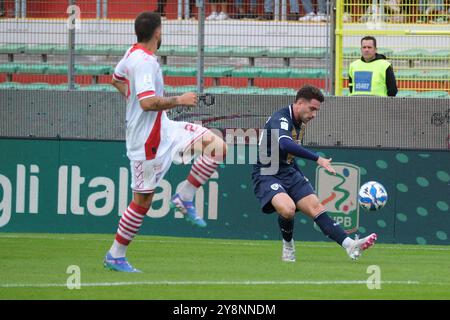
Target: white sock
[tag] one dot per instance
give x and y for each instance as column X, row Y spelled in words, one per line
column 187, row 191
column 347, row 242
column 118, row 250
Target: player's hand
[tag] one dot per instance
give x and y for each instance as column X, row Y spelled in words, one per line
column 325, row 163
column 188, row 99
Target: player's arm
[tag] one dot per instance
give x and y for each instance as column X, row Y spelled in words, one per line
column 120, row 85
column 287, row 145
column 154, row 103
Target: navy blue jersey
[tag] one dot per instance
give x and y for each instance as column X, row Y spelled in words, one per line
column 282, row 124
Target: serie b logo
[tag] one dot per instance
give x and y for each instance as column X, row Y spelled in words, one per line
column 339, row 194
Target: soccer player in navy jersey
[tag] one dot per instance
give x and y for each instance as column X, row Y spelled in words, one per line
column 285, row 189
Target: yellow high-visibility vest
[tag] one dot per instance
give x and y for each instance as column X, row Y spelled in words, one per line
column 369, row 78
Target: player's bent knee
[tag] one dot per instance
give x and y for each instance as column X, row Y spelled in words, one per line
column 286, row 211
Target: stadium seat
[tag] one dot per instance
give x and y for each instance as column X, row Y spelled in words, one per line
column 98, row 87
column 252, row 52
column 248, row 90
column 32, row 68
column 35, row 86
column 8, row 67
column 247, row 72
column 57, row 69
column 93, row 69
column 219, row 90
column 275, row 72
column 440, row 55
column 283, row 53
column 219, row 71
column 410, row 53
column 63, row 87
column 219, row 51
column 312, row 73
column 407, row 74
column 435, row 75
column 180, row 89
column 9, row 85
column 12, row 48
column 405, row 93
column 185, row 51
column 99, row 49
column 118, row 50
column 181, row 71
column 279, row 91
column 40, row 49
column 432, row 94
column 352, row 52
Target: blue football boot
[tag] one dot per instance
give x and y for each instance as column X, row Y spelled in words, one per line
column 187, row 208
column 118, row 264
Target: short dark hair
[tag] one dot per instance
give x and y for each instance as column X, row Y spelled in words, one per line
column 145, row 25
column 309, row 92
column 370, row 38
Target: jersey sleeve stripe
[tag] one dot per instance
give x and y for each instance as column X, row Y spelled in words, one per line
column 120, row 78
column 145, row 94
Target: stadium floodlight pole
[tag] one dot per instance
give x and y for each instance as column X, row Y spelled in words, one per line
column 200, row 49
column 71, row 61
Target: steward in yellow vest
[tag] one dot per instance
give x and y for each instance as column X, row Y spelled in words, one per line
column 372, row 74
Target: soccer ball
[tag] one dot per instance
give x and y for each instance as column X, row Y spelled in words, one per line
column 372, row 196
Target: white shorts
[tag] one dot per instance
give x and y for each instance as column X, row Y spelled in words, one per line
column 147, row 174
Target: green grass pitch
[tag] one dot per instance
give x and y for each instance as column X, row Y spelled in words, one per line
column 34, row 266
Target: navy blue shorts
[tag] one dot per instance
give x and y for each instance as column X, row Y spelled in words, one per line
column 288, row 180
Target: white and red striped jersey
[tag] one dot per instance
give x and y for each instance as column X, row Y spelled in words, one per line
column 146, row 131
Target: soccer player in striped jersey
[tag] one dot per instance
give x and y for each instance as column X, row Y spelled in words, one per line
column 154, row 141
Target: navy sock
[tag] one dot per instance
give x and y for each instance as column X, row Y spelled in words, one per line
column 330, row 228
column 286, row 227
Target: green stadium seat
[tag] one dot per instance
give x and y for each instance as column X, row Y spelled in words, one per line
column 410, row 53
column 218, row 71
column 164, row 69
column 185, row 51
column 57, row 69
column 118, row 50
column 345, row 92
column 181, row 71
column 432, row 94
column 407, row 74
column 93, row 69
column 64, row 49
column 275, row 73
column 284, row 53
column 247, row 72
column 386, row 51
column 308, row 73
column 40, row 49
column 406, row 93
column 280, row 91
column 99, row 87
column 9, row 85
column 180, row 89
column 434, row 75
column 35, row 86
column 63, row 87
column 8, row 67
column 252, row 52
column 32, row 68
column 352, row 52
column 219, row 90
column 440, row 54
column 166, row 50
column 12, row 48
column 219, row 51
column 98, row 49
column 248, row 90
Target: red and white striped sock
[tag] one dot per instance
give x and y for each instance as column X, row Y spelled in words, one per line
column 129, row 225
column 202, row 169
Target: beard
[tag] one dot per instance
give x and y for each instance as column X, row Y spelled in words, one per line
column 159, row 43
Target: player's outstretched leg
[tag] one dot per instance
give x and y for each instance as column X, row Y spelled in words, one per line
column 183, row 201
column 359, row 245
column 129, row 225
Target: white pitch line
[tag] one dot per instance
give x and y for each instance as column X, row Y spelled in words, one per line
column 209, row 283
column 221, row 242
